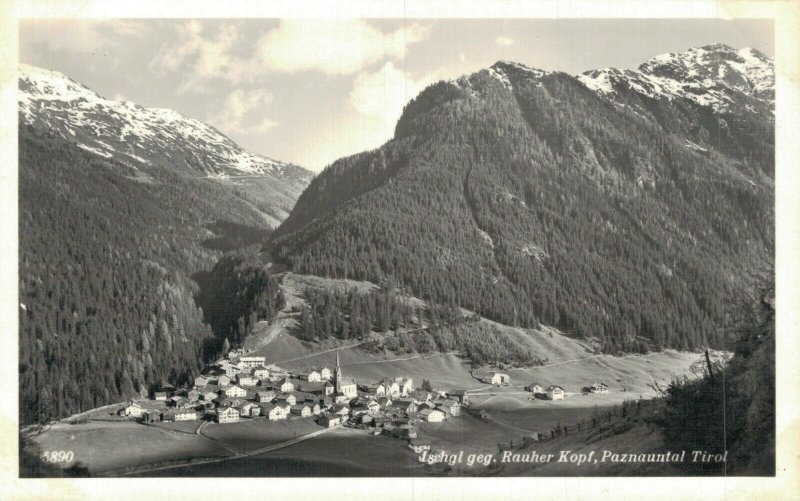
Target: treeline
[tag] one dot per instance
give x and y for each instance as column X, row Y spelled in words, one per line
column 237, row 293
column 546, row 205
column 107, row 307
column 353, row 314
column 732, row 408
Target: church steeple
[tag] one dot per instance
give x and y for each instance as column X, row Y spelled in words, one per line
column 338, row 373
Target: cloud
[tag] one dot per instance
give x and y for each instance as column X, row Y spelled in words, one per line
column 333, row 46
column 242, row 112
column 503, row 41
column 81, row 36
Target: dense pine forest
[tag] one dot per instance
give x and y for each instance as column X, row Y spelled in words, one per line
column 732, row 408
column 107, row 304
column 546, row 203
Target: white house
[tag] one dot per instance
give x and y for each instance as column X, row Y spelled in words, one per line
column 301, row 410
column 133, row 409
column 185, row 415
column 330, row 421
column 325, row 373
column 311, row 376
column 251, row 362
column 406, row 385
column 449, row 407
column 499, row 378
column 201, row 381
column 235, row 391
column 599, row 388
column 286, row 398
column 246, row 380
column 388, row 387
column 249, row 409
column 431, row 415
column 286, row 385
column 535, row 388
column 223, row 380
column 261, row 372
column 554, row 392
column 227, row 415
column 265, row 396
column 328, row 388
column 274, row 412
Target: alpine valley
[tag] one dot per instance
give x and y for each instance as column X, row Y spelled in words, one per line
column 521, row 223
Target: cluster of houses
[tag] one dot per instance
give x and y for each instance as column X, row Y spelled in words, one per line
column 243, row 387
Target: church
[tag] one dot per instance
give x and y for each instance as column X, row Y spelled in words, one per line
column 345, row 385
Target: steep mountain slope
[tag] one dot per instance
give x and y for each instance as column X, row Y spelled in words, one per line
column 127, row 132
column 618, row 213
column 117, row 218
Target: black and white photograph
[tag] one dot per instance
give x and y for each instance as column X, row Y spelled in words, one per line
column 383, row 247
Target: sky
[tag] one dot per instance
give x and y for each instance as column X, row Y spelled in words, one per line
column 309, row 91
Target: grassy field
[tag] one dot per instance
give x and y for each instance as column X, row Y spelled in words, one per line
column 251, row 434
column 102, row 446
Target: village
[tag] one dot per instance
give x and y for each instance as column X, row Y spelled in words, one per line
column 242, row 387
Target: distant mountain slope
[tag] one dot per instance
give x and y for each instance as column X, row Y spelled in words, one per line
column 621, row 214
column 120, row 209
column 155, row 137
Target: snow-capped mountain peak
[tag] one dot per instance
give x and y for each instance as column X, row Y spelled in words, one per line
column 126, row 131
column 711, row 76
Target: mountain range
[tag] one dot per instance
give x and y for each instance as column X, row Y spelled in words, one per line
column 146, row 138
column 622, row 206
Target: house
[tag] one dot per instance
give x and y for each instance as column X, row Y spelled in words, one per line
column 302, row 410
column 227, row 415
column 347, row 385
column 388, row 387
column 328, row 388
column 235, row 391
column 150, row 416
column 160, row 395
column 358, row 410
column 185, row 415
column 311, row 376
column 243, row 379
column 599, row 388
column 330, row 421
column 406, row 385
column 419, row 445
column 223, row 380
column 341, row 398
column 364, row 419
column 405, row 405
column 286, row 399
column 176, row 400
column 315, row 408
column 248, row 409
column 499, row 378
column 384, row 401
column 341, row 410
column 251, row 362
column 461, row 396
column 431, row 415
column 133, row 409
column 325, row 374
column 265, row 396
column 261, row 372
column 208, row 396
column 286, row 385
column 326, row 403
column 231, row 370
column 373, row 406
column 201, row 381
column 554, row 392
column 193, row 395
column 449, row 407
column 274, row 412
column 421, row 395
column 535, row 388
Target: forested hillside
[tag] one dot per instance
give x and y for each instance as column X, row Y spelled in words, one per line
column 528, row 197
column 106, row 300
